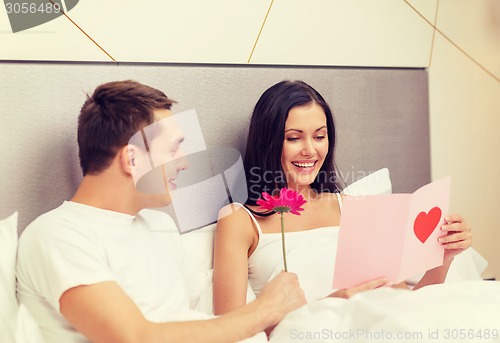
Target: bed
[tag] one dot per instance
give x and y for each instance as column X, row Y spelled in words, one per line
column 383, row 109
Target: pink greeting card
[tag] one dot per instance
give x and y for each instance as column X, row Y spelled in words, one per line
column 391, row 235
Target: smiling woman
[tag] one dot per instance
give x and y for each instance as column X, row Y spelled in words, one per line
column 305, row 146
column 292, row 136
column 291, row 127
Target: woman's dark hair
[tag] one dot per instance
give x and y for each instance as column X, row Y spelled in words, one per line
column 266, row 134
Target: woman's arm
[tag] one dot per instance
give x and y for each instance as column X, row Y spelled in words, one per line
column 234, row 237
column 366, row 286
column 457, row 239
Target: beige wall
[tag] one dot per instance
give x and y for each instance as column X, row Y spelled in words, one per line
column 464, row 94
column 465, row 118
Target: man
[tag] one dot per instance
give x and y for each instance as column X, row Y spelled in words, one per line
column 101, row 267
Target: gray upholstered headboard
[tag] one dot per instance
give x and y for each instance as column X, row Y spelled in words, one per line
column 381, row 116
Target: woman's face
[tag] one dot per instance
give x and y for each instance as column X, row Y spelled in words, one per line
column 305, row 144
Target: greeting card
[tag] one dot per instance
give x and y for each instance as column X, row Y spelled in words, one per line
column 391, row 235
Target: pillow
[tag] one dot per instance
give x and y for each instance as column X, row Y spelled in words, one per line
column 16, row 325
column 22, row 328
column 468, row 265
column 378, row 182
column 8, row 248
column 197, row 253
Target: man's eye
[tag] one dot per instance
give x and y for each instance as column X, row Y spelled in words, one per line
column 174, row 151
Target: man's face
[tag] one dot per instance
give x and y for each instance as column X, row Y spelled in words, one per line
column 157, row 164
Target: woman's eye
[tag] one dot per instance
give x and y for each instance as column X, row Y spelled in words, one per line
column 319, row 138
column 292, row 139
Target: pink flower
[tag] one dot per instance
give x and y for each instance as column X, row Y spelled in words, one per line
column 287, row 201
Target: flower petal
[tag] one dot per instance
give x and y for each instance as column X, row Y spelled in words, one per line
column 288, row 200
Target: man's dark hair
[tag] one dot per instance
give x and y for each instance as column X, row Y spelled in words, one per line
column 109, row 118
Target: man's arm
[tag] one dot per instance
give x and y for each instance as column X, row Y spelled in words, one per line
column 104, row 313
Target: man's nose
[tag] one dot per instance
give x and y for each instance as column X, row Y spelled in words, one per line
column 181, row 161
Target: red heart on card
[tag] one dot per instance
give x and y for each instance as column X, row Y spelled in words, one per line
column 426, row 223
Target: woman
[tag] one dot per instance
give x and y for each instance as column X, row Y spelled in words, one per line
column 291, row 143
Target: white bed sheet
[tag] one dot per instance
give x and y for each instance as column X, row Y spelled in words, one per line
column 465, row 311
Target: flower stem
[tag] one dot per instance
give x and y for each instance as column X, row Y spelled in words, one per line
column 283, row 240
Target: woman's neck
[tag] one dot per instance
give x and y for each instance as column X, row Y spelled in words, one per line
column 306, row 191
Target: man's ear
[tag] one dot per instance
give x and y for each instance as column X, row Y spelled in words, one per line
column 127, row 158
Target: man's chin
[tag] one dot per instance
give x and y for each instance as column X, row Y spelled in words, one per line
column 157, row 200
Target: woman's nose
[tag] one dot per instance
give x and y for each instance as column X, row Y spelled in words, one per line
column 308, row 148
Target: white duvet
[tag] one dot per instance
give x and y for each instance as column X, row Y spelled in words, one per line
column 465, row 311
